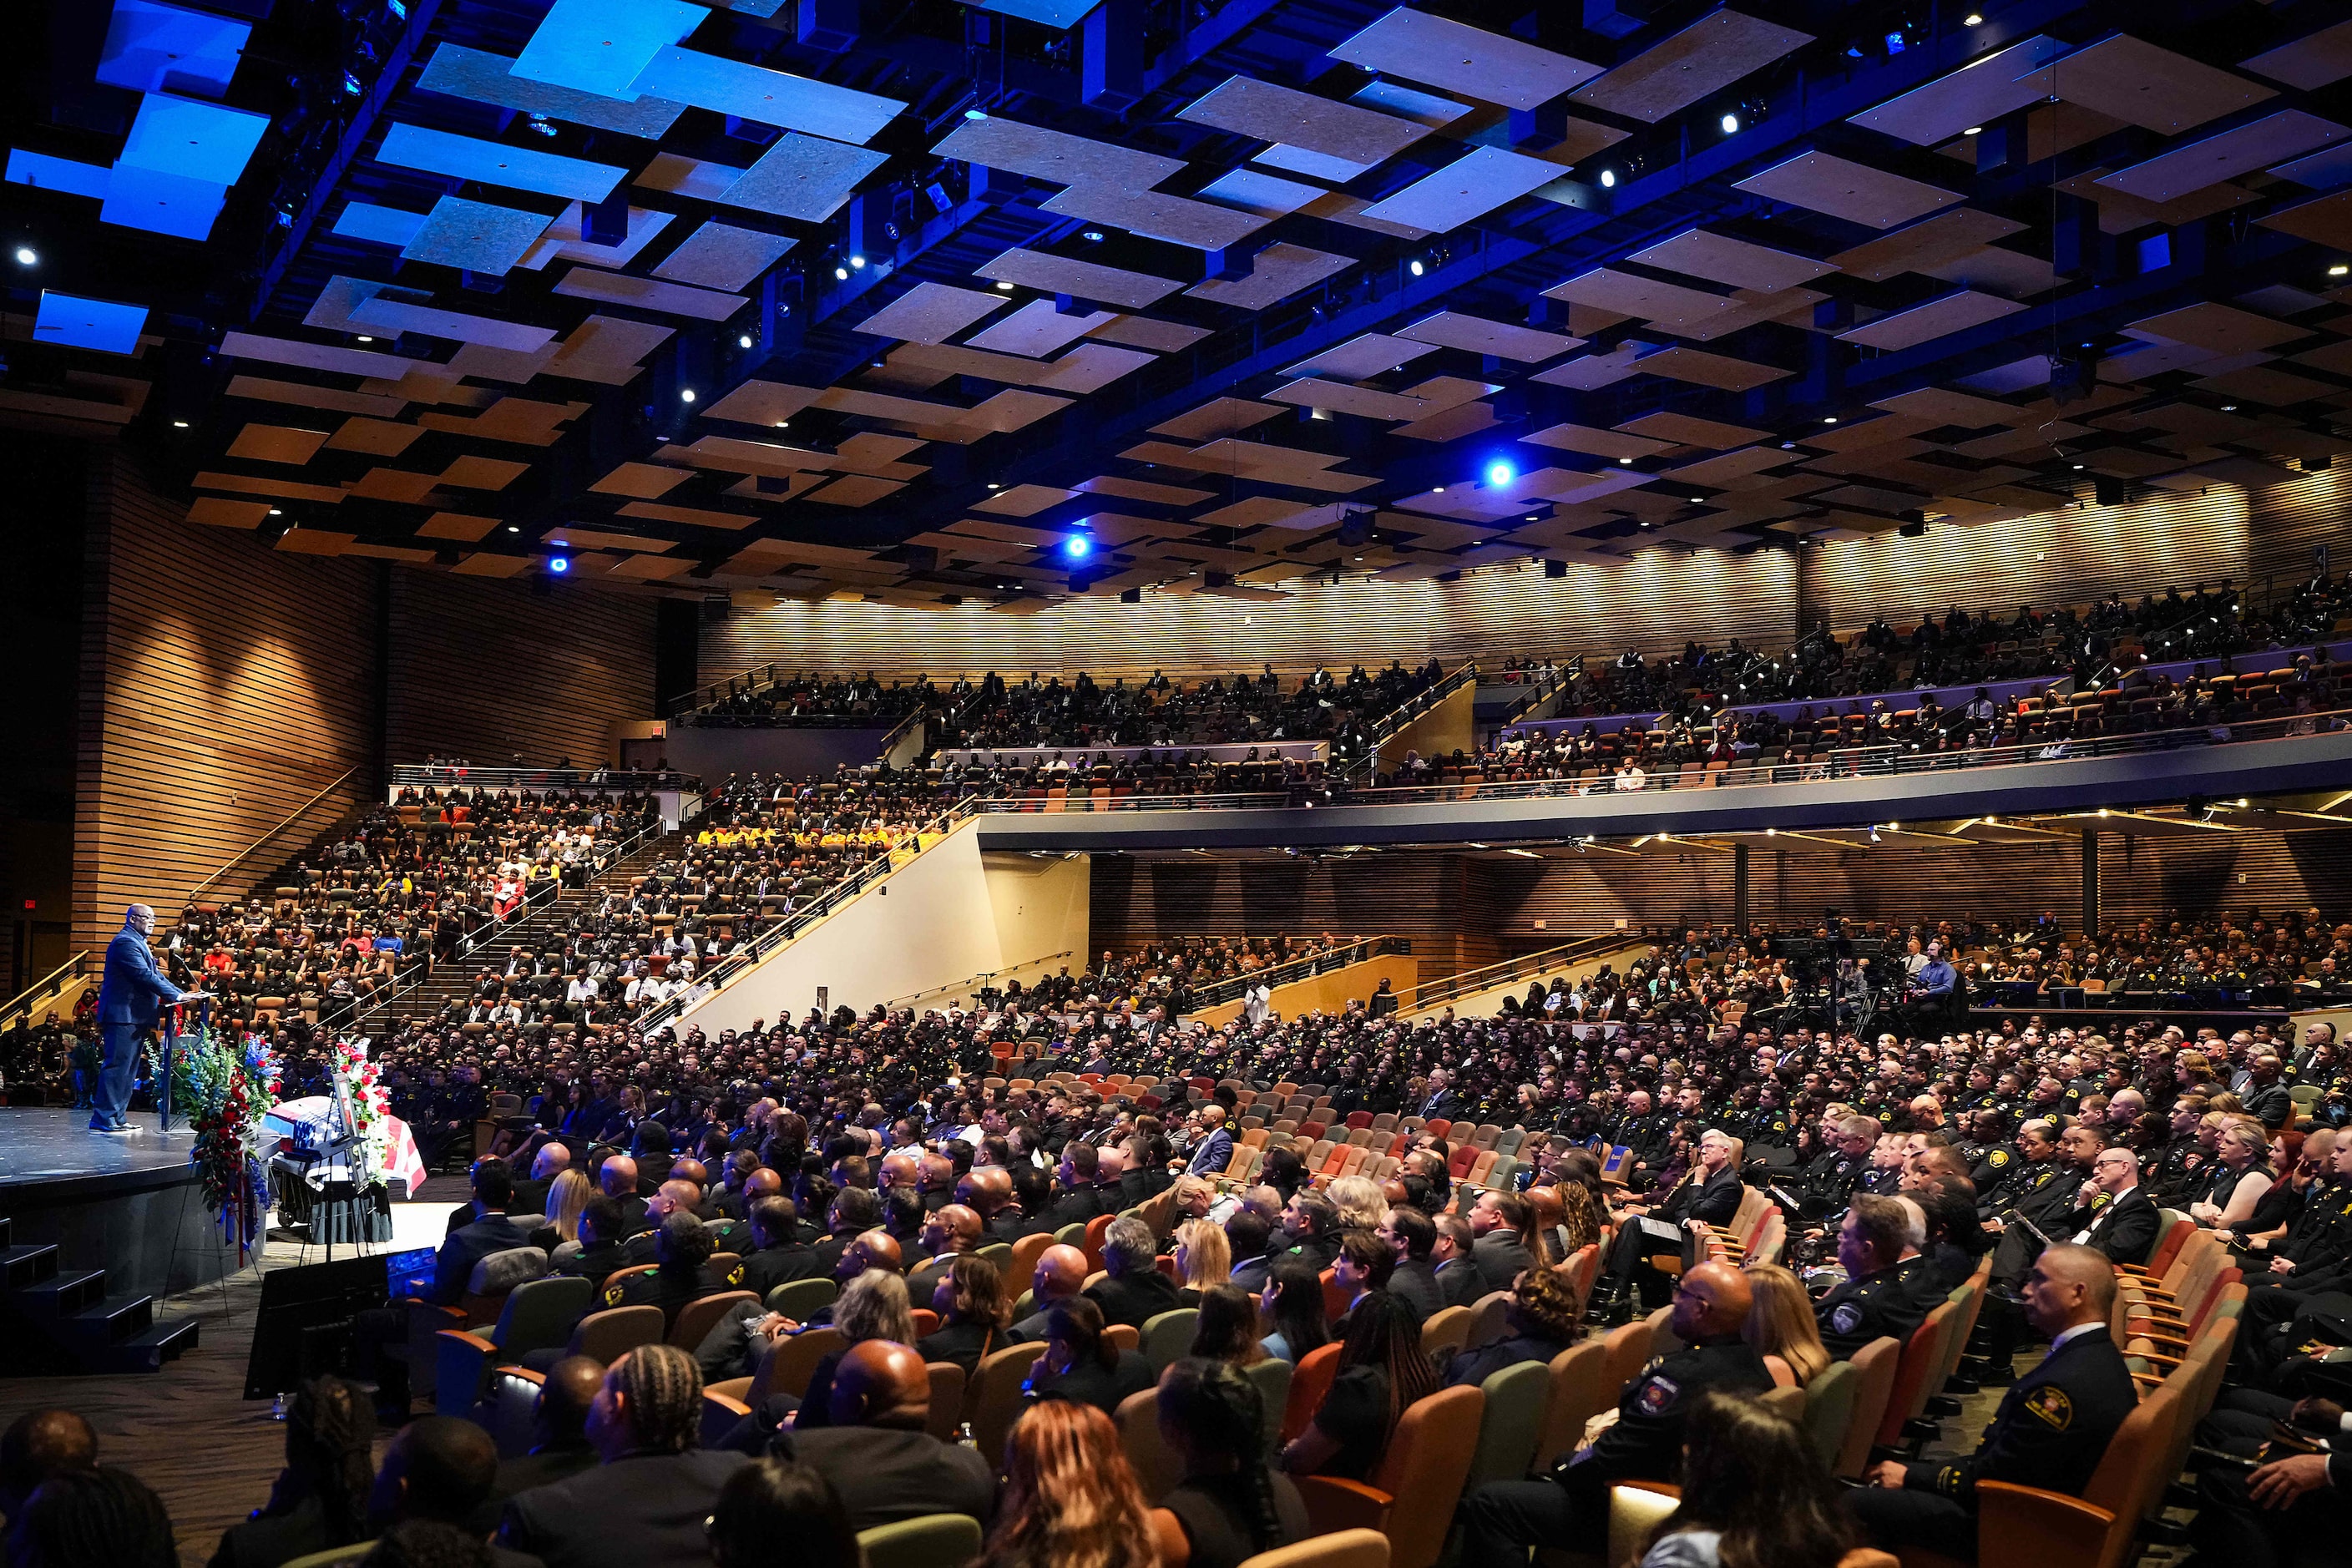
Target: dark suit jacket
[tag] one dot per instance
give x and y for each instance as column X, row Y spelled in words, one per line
column 2125, row 1230
column 1500, row 1260
column 642, row 1511
column 1460, row 1281
column 1715, row 1201
column 1134, row 1298
column 884, row 1474
column 538, row 1467
column 1416, row 1283
column 772, row 1265
column 466, row 1246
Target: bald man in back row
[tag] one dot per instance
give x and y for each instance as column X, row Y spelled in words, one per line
column 876, row 1452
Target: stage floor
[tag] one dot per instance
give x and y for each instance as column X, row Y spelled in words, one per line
column 40, row 1146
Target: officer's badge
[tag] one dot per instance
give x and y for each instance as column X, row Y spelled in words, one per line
column 1847, row 1318
column 2050, row 1403
column 1657, row 1396
column 1997, row 1157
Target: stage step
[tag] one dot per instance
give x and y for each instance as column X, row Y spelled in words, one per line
column 23, row 1267
column 63, row 1294
column 113, row 1320
column 150, row 1349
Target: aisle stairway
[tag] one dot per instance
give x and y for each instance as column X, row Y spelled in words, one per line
column 453, row 982
column 63, row 1321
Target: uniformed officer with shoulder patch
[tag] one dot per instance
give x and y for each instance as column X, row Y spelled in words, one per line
column 2052, row 1427
column 1885, row 1294
column 683, row 1274
column 1570, row 1509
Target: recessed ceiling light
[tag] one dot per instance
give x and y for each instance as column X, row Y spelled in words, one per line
column 1414, row 267
column 1698, row 500
column 857, row 261
column 1608, row 179
column 179, row 424
column 841, row 274
column 512, row 528
column 366, row 339
column 993, row 485
column 744, row 342
column 1004, row 285
column 2078, row 467
column 276, row 512
column 1437, row 490
column 975, row 114
column 1626, row 462
column 28, row 257
column 1973, row 130
column 685, row 394
column 1829, row 420
column 2338, row 270
column 1973, row 19
column 2229, row 408
column 1730, row 123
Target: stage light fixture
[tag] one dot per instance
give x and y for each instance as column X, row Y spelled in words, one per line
column 841, row 274
column 512, row 527
column 1004, row 285
column 1077, row 548
column 558, row 564
column 685, row 394
column 1731, row 125
column 1092, row 237
column 1625, row 462
column 744, row 342
column 857, row 261
column 179, row 424
column 1416, row 268
column 2338, row 270
column 28, row 257
column 1973, row 19
column 1608, row 179
column 1500, row 474
column 975, row 114
column 1973, row 130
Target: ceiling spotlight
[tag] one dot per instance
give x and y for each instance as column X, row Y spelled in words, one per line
column 975, row 114
column 1077, row 548
column 1626, row 462
column 1973, row 130
column 1437, row 490
column 558, row 564
column 1973, row 19
column 179, row 424
column 276, row 512
column 783, row 424
column 841, row 274
column 1731, row 125
column 1698, row 500
column 2229, row 408
column 1499, row 474
column 1092, row 237
column 2078, row 467
column 744, row 342
column 685, row 394
column 512, row 527
column 1608, row 179
column 1416, row 268
column 2338, row 270
column 28, row 257
column 364, row 339
column 857, row 261
column 1830, row 419
column 1005, row 286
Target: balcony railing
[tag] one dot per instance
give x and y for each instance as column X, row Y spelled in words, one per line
column 1216, row 994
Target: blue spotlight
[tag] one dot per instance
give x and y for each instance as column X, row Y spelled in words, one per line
column 1500, row 474
column 558, row 564
column 1077, row 548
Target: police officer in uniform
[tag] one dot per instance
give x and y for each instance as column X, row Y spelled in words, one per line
column 1830, row 1179
column 1990, row 1157
column 1885, row 1294
column 684, row 1273
column 2051, row 1431
column 1570, row 1508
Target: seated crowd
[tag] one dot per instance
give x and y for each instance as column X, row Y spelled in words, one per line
column 818, row 701
column 876, row 1161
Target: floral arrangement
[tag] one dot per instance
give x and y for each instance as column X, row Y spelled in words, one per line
column 371, row 1105
column 226, row 1087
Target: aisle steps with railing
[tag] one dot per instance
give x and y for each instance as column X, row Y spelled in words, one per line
column 67, row 1322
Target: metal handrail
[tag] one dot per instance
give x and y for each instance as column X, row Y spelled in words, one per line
column 45, row 987
column 970, row 983
column 1436, row 993
column 1560, row 678
column 291, row 820
column 703, row 695
column 1217, row 992
column 1389, row 724
column 755, row 948
column 1861, row 762
column 445, row 776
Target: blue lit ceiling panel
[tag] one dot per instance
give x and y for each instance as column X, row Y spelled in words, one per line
column 195, row 141
column 601, row 46
column 162, row 48
column 89, row 324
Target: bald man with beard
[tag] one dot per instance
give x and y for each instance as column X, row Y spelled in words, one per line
column 882, row 1462
column 948, row 1234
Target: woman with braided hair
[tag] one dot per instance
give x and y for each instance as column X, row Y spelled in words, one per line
column 320, row 1498
column 1229, row 1504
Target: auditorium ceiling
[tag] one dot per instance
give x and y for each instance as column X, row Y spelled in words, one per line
column 945, row 301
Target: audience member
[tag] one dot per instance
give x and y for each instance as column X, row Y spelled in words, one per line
column 1082, row 1364
column 874, row 1447
column 774, row 1514
column 1229, row 1504
column 1381, row 1373
column 1754, row 1494
column 1070, row 1495
column 320, row 1498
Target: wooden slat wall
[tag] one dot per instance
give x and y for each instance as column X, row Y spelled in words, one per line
column 1652, row 601
column 222, row 684
column 1464, row 911
column 484, row 669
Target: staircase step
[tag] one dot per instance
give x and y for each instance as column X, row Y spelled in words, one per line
column 21, row 1267
column 63, row 1294
column 148, row 1351
column 113, row 1321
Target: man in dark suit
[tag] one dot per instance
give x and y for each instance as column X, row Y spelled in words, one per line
column 443, row 1470
column 492, row 1229
column 601, row 1250
column 947, row 1234
column 1060, row 1274
column 1312, row 1225
column 645, row 1505
column 1499, row 1224
column 2114, row 1215
column 559, row 1445
column 1450, row 1258
column 1711, row 1196
column 1076, row 1200
column 530, row 1201
column 1132, row 1290
column 2051, row 1431
column 883, row 1463
column 1503, row 1518
column 779, row 1256
column 1412, row 1236
column 131, row 996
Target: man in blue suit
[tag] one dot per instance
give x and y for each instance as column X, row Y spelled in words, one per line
column 129, row 996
